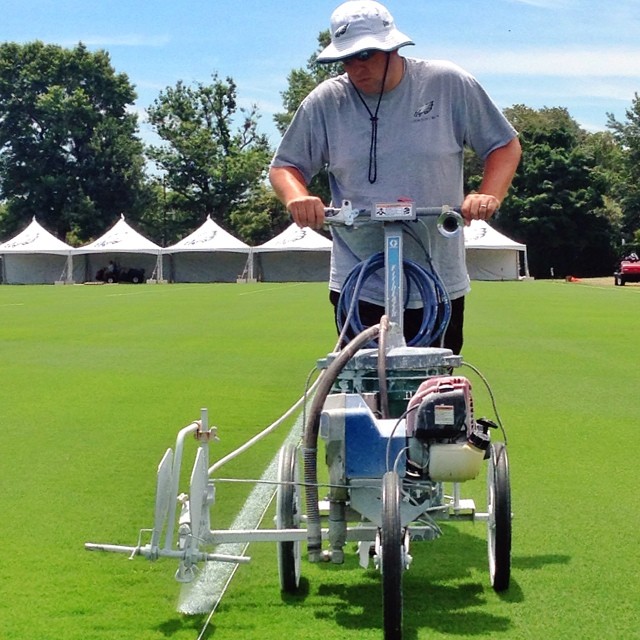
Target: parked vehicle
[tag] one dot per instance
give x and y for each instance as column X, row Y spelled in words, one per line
column 114, row 273
column 628, row 271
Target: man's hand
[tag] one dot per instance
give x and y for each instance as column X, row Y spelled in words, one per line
column 499, row 168
column 479, row 206
column 307, row 211
column 290, row 187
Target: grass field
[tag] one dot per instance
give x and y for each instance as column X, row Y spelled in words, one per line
column 96, row 381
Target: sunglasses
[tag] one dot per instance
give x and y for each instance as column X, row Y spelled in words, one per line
column 362, row 56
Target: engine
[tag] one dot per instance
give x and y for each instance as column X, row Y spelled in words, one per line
column 444, row 442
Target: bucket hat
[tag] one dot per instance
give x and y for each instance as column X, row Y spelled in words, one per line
column 358, row 25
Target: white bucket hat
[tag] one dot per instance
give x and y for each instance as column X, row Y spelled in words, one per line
column 358, row 25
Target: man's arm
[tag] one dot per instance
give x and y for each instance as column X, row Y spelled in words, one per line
column 499, row 168
column 291, row 188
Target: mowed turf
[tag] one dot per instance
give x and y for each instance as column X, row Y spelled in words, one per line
column 95, row 382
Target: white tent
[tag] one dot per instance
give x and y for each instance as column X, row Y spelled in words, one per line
column 295, row 255
column 36, row 256
column 492, row 255
column 209, row 254
column 126, row 247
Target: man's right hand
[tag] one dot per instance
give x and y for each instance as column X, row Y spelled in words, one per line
column 307, row 211
column 290, row 187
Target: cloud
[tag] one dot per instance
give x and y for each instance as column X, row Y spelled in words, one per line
column 609, row 62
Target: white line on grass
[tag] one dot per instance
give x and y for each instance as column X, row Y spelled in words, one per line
column 138, row 292
column 261, row 290
column 204, row 594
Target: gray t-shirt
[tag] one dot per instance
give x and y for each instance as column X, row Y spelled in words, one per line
column 423, row 126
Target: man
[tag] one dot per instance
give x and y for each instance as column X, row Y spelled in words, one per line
column 393, row 128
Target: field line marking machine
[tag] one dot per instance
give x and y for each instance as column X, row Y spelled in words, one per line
column 397, row 425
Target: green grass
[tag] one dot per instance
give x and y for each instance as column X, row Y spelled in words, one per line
column 96, row 381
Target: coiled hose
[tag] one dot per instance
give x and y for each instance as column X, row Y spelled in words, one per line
column 435, row 300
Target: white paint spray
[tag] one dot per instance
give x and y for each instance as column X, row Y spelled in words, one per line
column 203, row 595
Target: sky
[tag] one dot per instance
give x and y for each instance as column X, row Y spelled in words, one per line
column 583, row 55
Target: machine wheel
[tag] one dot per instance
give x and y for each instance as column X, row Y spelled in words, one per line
column 499, row 523
column 392, row 563
column 288, row 517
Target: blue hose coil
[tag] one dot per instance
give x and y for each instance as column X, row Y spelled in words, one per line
column 435, row 300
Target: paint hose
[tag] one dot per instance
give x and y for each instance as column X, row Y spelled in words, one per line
column 436, row 306
column 310, row 437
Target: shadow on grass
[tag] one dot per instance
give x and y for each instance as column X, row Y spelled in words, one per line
column 299, row 596
column 446, row 589
column 528, row 563
column 441, row 591
column 185, row 622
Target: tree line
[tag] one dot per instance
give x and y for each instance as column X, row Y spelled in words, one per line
column 70, row 154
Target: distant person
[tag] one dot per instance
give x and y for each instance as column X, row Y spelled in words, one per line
column 393, row 127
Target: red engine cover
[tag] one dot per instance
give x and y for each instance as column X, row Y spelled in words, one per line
column 436, row 385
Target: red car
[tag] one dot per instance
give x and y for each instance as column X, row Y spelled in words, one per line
column 629, row 271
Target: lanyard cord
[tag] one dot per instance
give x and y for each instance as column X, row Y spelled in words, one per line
column 373, row 147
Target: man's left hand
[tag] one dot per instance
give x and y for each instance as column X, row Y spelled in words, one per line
column 479, row 206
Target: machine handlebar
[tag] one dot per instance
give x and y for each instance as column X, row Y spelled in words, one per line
column 450, row 220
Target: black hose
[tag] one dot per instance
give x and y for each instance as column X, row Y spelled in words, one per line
column 310, row 437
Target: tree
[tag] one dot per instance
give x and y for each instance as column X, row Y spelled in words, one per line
column 627, row 134
column 68, row 147
column 607, row 157
column 207, row 166
column 557, row 203
column 301, row 83
column 260, row 216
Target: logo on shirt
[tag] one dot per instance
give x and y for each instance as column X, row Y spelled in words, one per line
column 424, row 110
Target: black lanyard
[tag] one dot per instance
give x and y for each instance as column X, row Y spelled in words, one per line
column 373, row 117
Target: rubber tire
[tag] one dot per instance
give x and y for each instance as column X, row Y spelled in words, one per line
column 499, row 522
column 288, row 517
column 391, row 565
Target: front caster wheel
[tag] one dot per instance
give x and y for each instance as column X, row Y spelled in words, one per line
column 288, row 516
column 392, row 557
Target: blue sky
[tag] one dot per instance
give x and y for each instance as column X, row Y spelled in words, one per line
column 580, row 54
